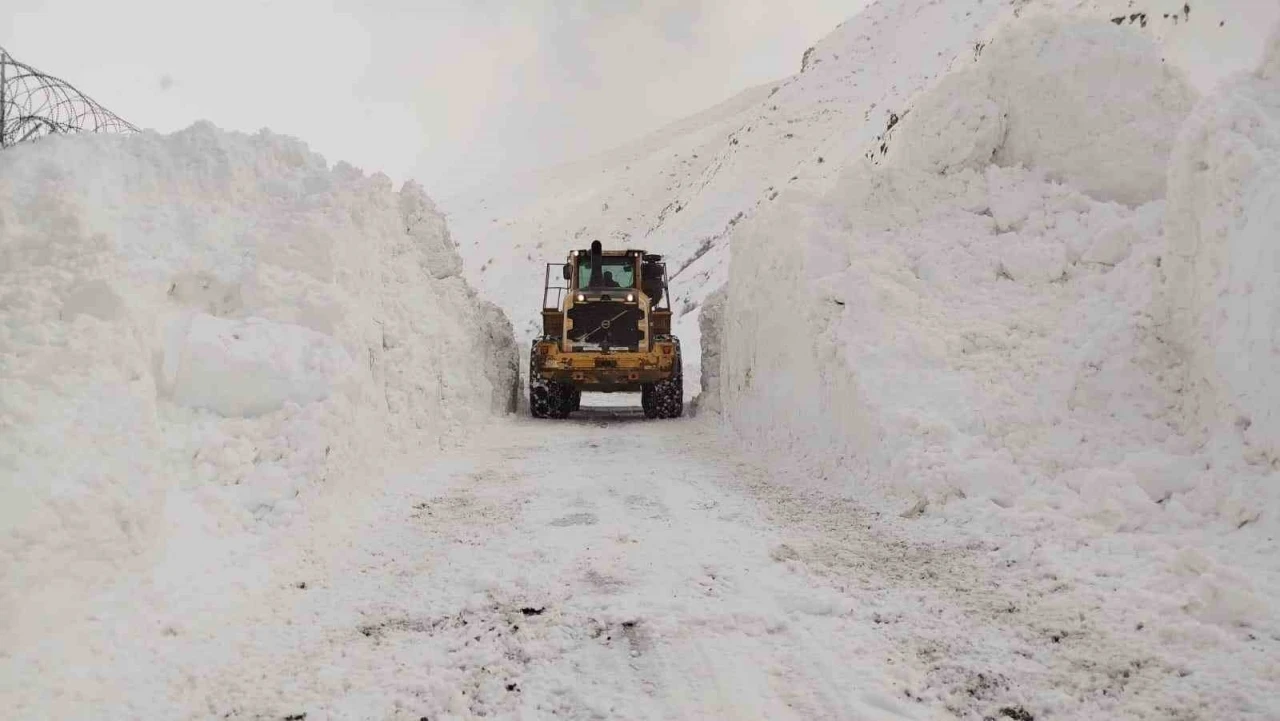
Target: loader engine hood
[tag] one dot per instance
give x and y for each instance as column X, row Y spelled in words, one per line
column 603, row 324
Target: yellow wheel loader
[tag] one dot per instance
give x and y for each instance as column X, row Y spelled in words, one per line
column 606, row 327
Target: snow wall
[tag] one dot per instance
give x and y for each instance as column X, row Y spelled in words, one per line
column 200, row 330
column 1052, row 286
column 1222, row 297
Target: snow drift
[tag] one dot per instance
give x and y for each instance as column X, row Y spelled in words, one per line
column 1048, row 292
column 199, row 330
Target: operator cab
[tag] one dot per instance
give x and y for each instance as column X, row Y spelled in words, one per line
column 612, row 272
column 610, row 300
column 596, row 270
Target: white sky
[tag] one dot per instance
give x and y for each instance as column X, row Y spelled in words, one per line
column 445, row 91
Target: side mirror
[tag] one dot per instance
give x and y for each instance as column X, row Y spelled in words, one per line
column 566, row 272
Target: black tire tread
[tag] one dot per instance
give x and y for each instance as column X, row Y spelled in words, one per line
column 665, row 398
column 547, row 398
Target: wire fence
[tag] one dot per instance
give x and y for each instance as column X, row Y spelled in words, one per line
column 33, row 105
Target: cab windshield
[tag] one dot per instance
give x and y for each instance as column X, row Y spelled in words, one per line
column 614, row 273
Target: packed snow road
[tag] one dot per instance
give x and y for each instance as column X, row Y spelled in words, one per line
column 608, row 567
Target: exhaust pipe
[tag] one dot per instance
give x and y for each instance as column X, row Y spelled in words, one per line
column 596, row 250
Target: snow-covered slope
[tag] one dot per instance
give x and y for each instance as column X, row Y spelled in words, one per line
column 683, row 190
column 198, row 333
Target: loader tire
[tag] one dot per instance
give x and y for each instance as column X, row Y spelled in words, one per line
column 547, row 398
column 665, row 398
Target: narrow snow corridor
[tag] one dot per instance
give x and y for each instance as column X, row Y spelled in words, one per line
column 608, row 567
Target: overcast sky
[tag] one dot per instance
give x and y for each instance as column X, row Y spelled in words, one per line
column 445, row 91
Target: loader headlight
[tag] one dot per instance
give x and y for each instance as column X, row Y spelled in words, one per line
column 581, row 298
column 631, row 297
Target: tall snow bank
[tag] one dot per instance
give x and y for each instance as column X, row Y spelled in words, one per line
column 983, row 337
column 199, row 329
column 1224, row 262
column 710, row 332
column 776, row 383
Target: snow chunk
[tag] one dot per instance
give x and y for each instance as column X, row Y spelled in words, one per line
column 1033, row 260
column 1090, row 103
column 957, row 125
column 427, row 227
column 1112, row 244
column 1086, row 102
column 250, row 367
column 95, row 298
